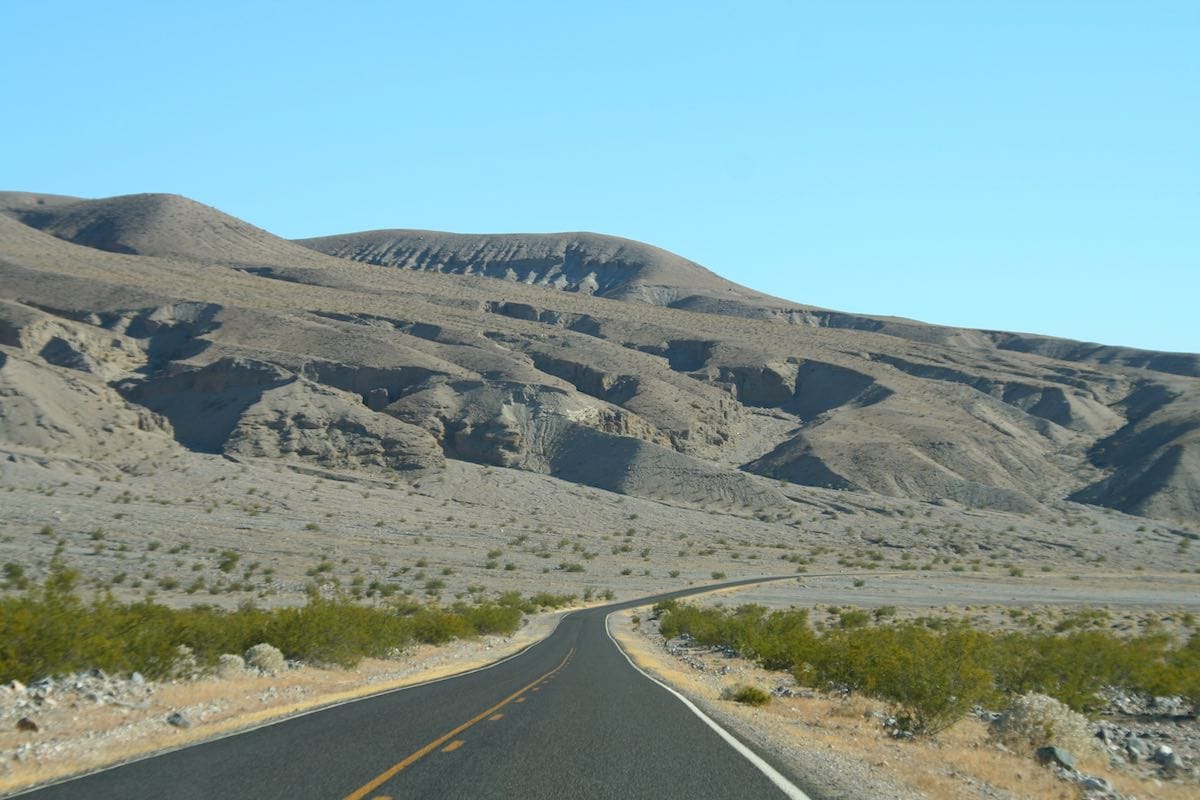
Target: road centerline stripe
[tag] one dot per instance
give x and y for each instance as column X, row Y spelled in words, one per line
column 397, row 768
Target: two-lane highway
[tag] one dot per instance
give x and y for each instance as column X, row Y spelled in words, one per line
column 567, row 718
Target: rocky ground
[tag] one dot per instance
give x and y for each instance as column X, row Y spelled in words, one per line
column 191, row 528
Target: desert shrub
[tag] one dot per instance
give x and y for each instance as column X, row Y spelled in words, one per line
column 1035, row 720
column 230, row 665
column 14, row 577
column 1073, row 668
column 544, row 600
column 489, row 618
column 1179, row 673
column 748, row 695
column 265, row 658
column 436, row 626
column 853, row 618
column 933, row 677
column 934, row 673
column 51, row 630
column 535, row 603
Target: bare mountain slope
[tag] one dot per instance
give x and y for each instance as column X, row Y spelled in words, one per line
column 163, row 225
column 588, row 263
column 608, row 266
column 136, row 324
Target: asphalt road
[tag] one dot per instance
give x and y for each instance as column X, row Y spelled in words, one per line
column 567, row 718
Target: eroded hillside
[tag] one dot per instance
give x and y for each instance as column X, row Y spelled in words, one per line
column 130, row 325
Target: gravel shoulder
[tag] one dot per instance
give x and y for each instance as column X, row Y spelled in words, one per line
column 87, row 722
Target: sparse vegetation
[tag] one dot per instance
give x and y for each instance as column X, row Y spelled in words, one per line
column 49, row 629
column 747, row 695
column 935, row 675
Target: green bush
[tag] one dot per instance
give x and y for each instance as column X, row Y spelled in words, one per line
column 933, row 677
column 853, row 618
column 50, row 630
column 934, row 673
column 749, row 695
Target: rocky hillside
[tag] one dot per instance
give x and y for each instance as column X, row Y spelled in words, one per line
column 607, row 266
column 140, row 324
column 587, row 263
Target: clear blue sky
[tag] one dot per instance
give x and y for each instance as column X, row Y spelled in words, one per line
column 1028, row 166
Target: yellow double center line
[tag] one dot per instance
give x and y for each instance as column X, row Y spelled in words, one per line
column 396, row 769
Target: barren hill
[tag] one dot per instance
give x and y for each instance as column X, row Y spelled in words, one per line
column 587, row 263
column 164, row 225
column 149, row 323
column 608, row 266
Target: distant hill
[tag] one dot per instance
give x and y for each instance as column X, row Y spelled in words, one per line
column 164, row 225
column 594, row 359
column 587, row 263
column 622, row 269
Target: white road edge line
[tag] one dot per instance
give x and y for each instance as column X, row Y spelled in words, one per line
column 287, row 717
column 783, row 784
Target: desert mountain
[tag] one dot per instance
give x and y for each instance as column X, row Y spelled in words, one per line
column 587, row 263
column 607, row 266
column 150, row 322
column 161, row 225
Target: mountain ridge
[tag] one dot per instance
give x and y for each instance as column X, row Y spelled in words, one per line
column 570, row 261
column 477, row 348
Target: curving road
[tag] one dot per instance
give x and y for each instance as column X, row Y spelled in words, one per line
column 569, row 717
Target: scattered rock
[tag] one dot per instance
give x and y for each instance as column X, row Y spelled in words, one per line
column 1136, row 748
column 26, row 724
column 1162, row 753
column 178, row 720
column 1056, row 756
column 82, row 689
column 1168, row 759
column 1169, row 706
column 137, row 679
